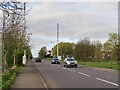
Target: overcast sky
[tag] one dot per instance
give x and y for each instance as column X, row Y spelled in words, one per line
column 77, row 20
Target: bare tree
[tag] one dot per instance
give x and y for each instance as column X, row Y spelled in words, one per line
column 13, row 29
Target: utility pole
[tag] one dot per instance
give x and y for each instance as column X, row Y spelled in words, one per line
column 57, row 39
column 118, row 51
column 24, row 18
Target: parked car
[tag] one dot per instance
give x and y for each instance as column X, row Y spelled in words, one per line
column 70, row 62
column 38, row 60
column 55, row 61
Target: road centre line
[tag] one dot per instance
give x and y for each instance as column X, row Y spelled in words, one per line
column 107, row 81
column 84, row 74
column 89, row 75
column 71, row 70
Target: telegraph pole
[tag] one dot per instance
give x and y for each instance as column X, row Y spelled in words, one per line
column 57, row 38
column 24, row 18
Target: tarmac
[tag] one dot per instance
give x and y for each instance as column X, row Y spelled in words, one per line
column 29, row 77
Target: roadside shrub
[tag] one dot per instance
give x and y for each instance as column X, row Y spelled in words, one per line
column 8, row 79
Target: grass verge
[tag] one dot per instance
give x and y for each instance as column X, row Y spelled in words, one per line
column 104, row 64
column 9, row 78
column 48, row 59
column 110, row 65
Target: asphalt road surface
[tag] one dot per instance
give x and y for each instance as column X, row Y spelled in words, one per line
column 57, row 76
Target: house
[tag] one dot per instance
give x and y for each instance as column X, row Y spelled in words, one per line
column 107, row 55
column 49, row 53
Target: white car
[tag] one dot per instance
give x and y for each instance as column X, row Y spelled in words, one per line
column 70, row 62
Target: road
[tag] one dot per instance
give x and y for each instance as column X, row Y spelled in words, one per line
column 57, row 76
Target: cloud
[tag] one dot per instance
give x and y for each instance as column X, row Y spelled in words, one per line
column 77, row 20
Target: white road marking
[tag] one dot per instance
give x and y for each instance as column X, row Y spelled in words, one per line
column 71, row 70
column 43, row 81
column 107, row 81
column 84, row 74
column 63, row 67
column 68, row 69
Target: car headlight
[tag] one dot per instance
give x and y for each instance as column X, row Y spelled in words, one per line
column 75, row 62
column 68, row 62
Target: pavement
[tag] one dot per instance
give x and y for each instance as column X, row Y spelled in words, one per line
column 29, row 77
column 47, row 75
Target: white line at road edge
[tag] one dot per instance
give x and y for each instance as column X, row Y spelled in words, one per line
column 63, row 67
column 84, row 74
column 43, row 81
column 107, row 81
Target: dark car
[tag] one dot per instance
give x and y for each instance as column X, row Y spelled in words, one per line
column 38, row 60
column 55, row 61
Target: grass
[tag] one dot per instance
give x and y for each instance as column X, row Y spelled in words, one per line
column 110, row 64
column 9, row 78
column 48, row 59
column 103, row 64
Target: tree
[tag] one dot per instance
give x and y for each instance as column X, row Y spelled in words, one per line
column 84, row 50
column 42, row 52
column 107, row 51
column 14, row 35
column 98, row 53
column 112, row 45
column 65, row 49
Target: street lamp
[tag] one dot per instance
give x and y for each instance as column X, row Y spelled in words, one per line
column 53, row 48
column 57, row 38
column 53, row 44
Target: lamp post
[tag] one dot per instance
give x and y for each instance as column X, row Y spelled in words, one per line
column 53, row 48
column 57, row 39
column 53, row 44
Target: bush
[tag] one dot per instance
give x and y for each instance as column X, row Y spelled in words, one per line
column 9, row 78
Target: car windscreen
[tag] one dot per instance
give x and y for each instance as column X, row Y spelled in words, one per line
column 70, row 59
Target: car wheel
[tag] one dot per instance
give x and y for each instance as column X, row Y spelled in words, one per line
column 76, row 66
column 64, row 65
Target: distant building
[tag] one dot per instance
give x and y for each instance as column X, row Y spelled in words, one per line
column 107, row 55
column 49, row 53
